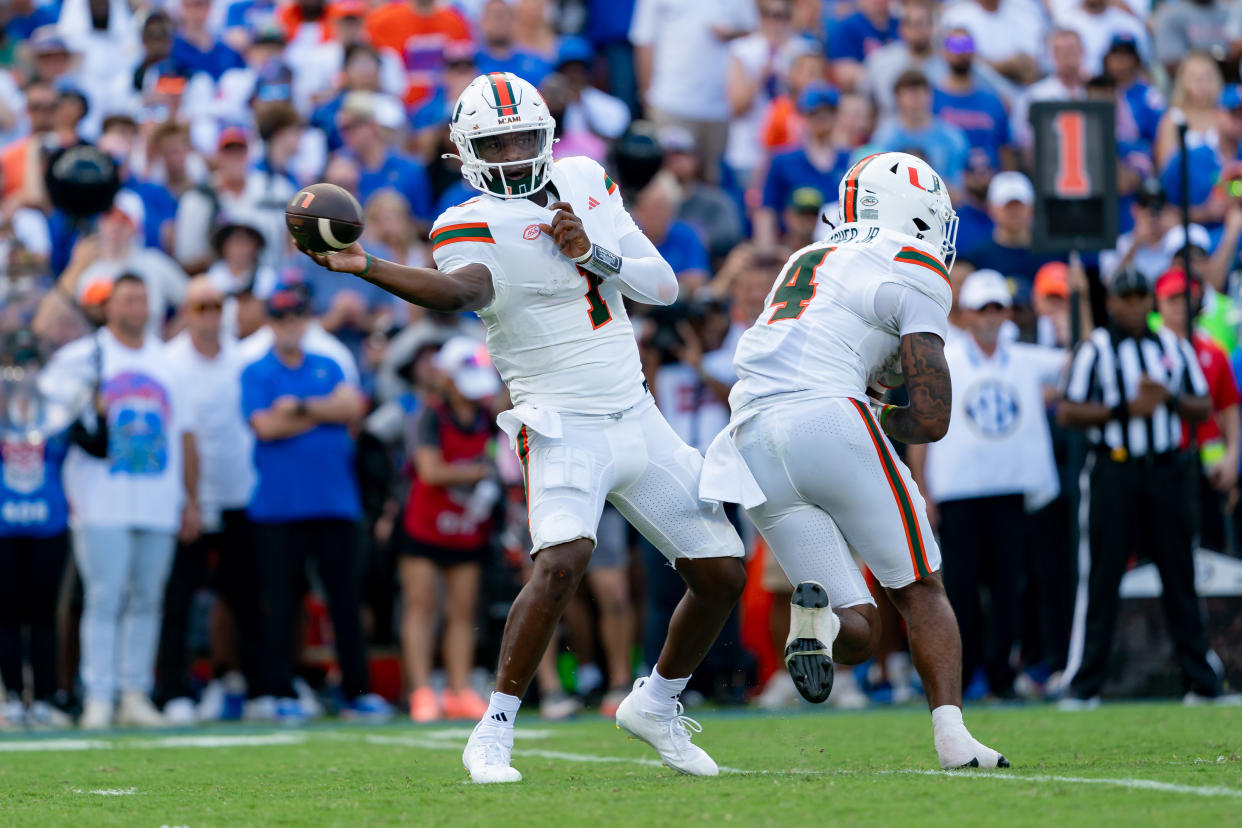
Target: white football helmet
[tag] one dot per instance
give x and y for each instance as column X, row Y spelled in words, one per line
column 501, row 103
column 897, row 191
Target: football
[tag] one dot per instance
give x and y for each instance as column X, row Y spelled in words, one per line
column 324, row 218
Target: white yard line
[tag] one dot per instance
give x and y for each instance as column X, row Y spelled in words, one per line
column 1136, row 784
column 223, row 741
column 32, row 745
column 111, row 791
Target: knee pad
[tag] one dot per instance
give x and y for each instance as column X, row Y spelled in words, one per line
column 560, row 527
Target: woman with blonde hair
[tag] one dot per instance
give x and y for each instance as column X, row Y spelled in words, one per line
column 1196, row 92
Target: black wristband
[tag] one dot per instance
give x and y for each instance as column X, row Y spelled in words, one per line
column 1121, row 411
column 301, row 409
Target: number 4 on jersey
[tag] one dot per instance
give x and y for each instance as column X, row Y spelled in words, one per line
column 798, row 288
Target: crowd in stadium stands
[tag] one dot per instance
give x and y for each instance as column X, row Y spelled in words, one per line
column 193, row 412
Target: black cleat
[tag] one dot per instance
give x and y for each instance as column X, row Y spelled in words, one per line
column 808, row 651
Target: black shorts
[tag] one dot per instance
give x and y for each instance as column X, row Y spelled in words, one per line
column 442, row 556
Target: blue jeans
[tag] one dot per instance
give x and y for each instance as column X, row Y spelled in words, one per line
column 123, row 575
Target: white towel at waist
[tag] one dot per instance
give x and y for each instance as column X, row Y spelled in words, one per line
column 543, row 421
column 726, row 478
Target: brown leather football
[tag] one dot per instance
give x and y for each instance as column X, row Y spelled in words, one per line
column 324, row 218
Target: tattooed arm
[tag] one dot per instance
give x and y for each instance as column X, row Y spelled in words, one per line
column 926, row 418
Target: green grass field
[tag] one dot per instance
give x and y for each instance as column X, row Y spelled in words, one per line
column 1133, row 764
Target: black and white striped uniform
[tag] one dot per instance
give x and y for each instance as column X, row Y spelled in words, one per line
column 1107, row 368
column 1134, row 501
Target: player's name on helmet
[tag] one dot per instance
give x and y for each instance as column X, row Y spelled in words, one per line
column 849, row 234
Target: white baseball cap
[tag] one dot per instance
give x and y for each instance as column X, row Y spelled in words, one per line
column 466, row 362
column 1175, row 239
column 983, row 288
column 1010, row 186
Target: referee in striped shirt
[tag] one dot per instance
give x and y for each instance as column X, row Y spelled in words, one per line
column 1130, row 388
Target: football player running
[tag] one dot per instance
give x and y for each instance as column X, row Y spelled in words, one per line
column 544, row 255
column 807, row 451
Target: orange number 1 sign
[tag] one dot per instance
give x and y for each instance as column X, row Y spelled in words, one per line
column 1072, row 179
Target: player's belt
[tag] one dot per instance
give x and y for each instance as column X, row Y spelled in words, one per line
column 613, row 415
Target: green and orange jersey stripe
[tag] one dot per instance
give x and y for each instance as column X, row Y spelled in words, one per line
column 849, row 209
column 610, row 184
column 914, row 256
column 905, row 505
column 506, row 103
column 477, row 231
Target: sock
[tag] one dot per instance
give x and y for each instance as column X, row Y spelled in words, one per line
column 502, row 709
column 663, row 693
column 947, row 717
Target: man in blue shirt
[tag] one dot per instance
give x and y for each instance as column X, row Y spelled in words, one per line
column 306, row 502
column 194, row 45
column 1011, row 204
column 960, row 101
column 851, row 39
column 497, row 53
column 24, row 17
column 818, row 164
column 916, row 130
column 380, row 165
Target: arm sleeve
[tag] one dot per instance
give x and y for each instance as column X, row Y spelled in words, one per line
column 645, row 276
column 909, row 311
column 1078, row 383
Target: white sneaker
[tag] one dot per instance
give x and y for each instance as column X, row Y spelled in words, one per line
column 262, row 709
column 778, row 693
column 45, row 716
column 669, row 734
column 813, row 626
column 556, row 707
column 311, row 706
column 1073, row 704
column 181, row 711
column 1193, row 699
column 96, row 715
column 488, row 753
column 137, row 710
column 846, row 694
column 211, row 704
column 12, row 715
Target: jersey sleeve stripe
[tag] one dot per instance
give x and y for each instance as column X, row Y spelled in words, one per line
column 905, row 506
column 610, row 184
column 914, row 256
column 476, row 232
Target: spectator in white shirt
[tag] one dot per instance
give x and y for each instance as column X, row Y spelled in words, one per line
column 1097, row 23
column 1009, row 34
column 129, row 506
column 1065, row 83
column 226, row 479
column 681, row 59
column 590, row 108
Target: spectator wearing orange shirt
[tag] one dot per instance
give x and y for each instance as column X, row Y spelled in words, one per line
column 41, row 100
column 419, row 31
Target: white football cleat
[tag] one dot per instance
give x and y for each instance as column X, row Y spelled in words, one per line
column 487, row 754
column 669, row 734
column 180, row 711
column 813, row 626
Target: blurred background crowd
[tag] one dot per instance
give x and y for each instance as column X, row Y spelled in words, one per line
column 194, row 413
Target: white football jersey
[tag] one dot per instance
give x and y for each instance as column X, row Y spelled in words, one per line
column 558, row 338
column 828, row 328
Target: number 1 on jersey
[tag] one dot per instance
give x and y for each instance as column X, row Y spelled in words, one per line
column 597, row 307
column 797, row 290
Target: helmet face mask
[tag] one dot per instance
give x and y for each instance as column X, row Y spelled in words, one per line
column 897, row 191
column 503, row 133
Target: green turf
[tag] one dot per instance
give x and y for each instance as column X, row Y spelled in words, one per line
column 818, row 768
